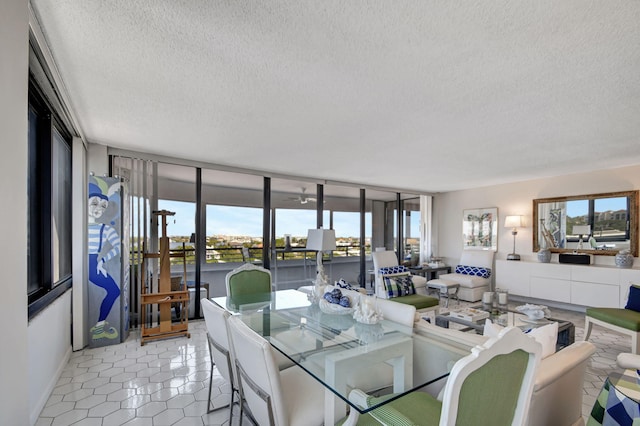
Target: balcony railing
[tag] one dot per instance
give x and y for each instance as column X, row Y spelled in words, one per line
column 254, row 254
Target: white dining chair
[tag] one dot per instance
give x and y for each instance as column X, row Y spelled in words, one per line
column 220, row 351
column 290, row 397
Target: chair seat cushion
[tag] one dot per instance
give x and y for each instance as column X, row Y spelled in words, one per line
column 469, row 281
column 625, row 318
column 416, row 408
column 418, row 300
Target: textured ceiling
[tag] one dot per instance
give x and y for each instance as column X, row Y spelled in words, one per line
column 421, row 95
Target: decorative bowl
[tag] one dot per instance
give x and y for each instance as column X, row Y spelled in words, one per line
column 533, row 312
column 334, row 308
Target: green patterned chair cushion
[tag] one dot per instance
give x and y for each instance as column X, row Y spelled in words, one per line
column 624, row 318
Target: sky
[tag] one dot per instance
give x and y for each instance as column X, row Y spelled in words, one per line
column 227, row 220
column 580, row 207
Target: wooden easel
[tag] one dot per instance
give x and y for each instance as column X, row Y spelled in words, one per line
column 163, row 296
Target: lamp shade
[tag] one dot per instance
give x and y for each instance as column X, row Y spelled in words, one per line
column 581, row 229
column 513, row 222
column 321, row 239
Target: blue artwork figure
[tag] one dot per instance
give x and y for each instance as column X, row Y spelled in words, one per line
column 99, row 235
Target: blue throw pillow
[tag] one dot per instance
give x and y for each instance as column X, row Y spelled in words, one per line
column 393, row 270
column 633, row 302
column 473, row 270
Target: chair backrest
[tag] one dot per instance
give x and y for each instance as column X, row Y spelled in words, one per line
column 401, row 313
column 493, row 385
column 248, row 279
column 215, row 319
column 480, row 258
column 258, row 374
column 384, row 259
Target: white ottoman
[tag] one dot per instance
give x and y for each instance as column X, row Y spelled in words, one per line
column 444, row 286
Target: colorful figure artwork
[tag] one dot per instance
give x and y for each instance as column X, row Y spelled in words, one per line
column 104, row 247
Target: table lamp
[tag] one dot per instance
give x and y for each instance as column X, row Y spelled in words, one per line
column 513, row 222
column 581, row 230
column 321, row 240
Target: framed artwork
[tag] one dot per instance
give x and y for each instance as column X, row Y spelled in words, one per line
column 480, row 229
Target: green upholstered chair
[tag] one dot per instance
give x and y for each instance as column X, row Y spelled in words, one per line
column 421, row 301
column 248, row 284
column 623, row 321
column 491, row 386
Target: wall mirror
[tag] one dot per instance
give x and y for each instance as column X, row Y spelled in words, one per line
column 601, row 224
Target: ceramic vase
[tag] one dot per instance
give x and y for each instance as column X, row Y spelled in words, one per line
column 624, row 259
column 544, row 255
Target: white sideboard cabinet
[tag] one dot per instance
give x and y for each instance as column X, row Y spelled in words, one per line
column 585, row 285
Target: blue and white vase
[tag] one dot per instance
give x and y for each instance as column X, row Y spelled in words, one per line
column 544, row 255
column 624, row 259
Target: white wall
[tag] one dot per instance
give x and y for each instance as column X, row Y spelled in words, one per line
column 517, row 199
column 14, row 31
column 49, row 342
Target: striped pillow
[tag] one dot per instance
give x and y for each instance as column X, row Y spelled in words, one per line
column 399, row 286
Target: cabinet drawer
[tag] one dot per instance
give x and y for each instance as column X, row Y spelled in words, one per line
column 589, row 274
column 592, row 294
column 551, row 289
column 551, row 270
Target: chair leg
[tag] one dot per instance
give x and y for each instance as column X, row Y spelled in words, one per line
column 634, row 344
column 210, row 405
column 587, row 328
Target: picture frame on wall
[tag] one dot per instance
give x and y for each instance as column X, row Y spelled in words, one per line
column 480, row 229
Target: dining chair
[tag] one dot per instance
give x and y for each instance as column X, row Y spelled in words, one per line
column 246, row 281
column 220, row 352
column 290, row 397
column 492, row 386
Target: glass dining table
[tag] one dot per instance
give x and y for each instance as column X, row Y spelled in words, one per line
column 341, row 353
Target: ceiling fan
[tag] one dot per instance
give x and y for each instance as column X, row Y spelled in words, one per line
column 303, row 198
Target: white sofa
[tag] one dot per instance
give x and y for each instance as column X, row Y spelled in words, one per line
column 558, row 389
column 471, row 286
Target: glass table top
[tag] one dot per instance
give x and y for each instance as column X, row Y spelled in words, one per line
column 337, row 350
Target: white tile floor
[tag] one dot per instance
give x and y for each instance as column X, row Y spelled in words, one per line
column 166, row 382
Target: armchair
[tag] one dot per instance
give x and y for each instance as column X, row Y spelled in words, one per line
column 472, row 274
column 387, row 275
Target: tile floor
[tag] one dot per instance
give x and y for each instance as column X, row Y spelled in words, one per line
column 166, row 382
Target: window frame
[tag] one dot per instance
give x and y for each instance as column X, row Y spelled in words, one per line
column 41, row 289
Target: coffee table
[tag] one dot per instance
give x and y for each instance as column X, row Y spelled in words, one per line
column 566, row 329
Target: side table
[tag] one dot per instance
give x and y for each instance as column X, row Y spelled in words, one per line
column 428, row 272
column 619, row 400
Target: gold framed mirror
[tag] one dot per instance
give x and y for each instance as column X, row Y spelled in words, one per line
column 601, row 224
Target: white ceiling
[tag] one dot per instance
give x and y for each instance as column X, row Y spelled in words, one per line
column 421, row 95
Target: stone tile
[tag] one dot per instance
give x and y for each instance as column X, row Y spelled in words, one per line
column 91, row 401
column 119, row 417
column 168, row 417
column 108, row 388
column 180, row 401
column 121, row 394
column 89, row 421
column 140, row 421
column 164, row 394
column 57, row 409
column 69, row 417
column 78, row 395
column 151, row 409
column 104, row 409
column 135, row 401
column 95, row 383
